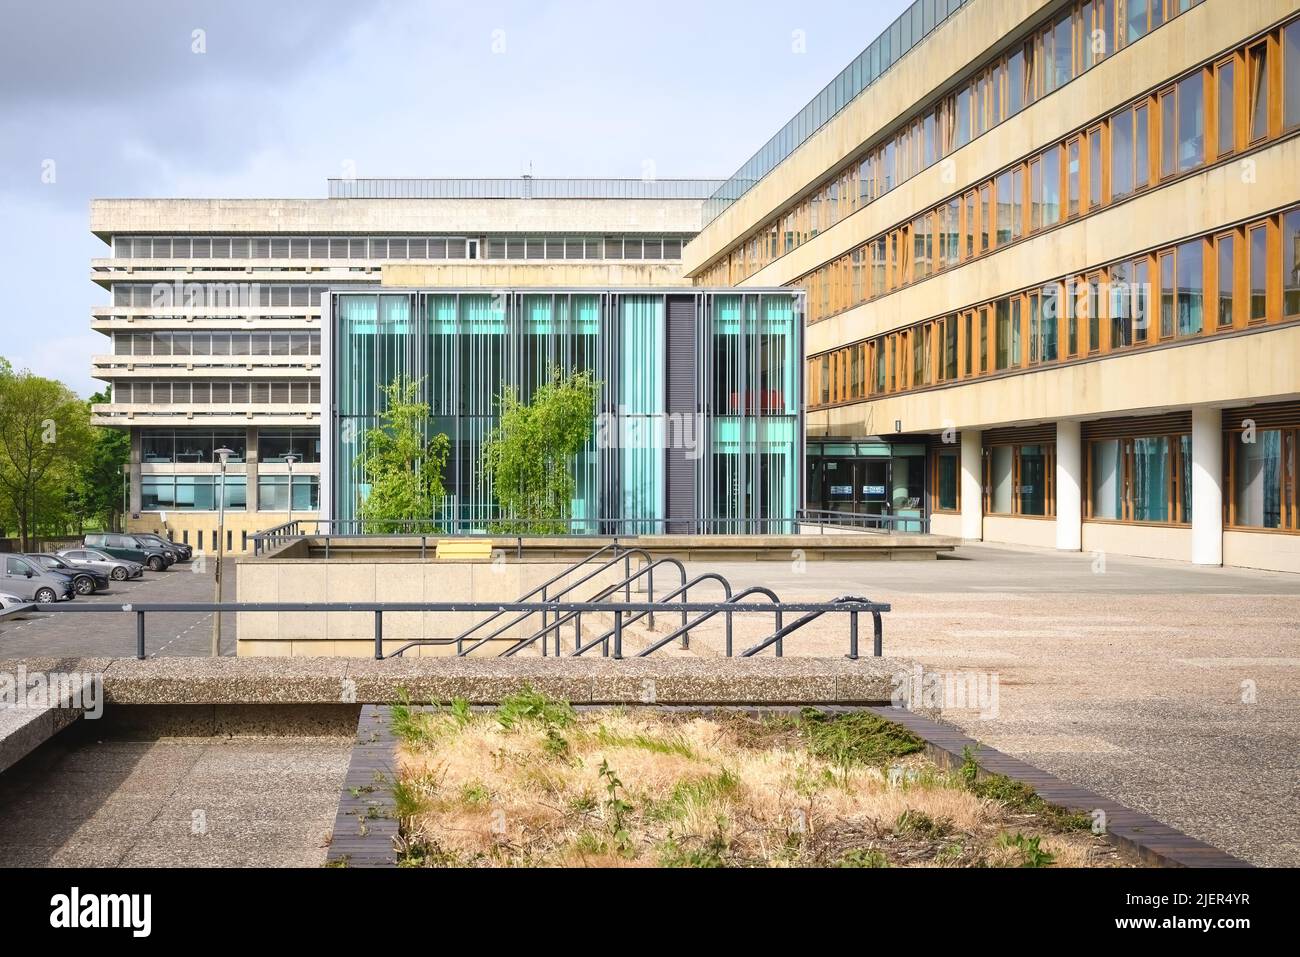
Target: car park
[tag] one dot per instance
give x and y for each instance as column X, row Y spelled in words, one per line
column 24, row 578
column 118, row 569
column 85, row 580
column 130, row 548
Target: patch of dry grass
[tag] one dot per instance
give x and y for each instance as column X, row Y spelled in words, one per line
column 536, row 784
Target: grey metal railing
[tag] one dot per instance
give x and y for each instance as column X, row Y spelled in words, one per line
column 332, row 533
column 612, row 644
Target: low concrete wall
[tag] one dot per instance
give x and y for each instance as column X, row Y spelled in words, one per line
column 1271, row 551
column 1038, row 532
column 291, row 576
column 666, row 681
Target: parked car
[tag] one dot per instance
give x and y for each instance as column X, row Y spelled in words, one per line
column 27, row 580
column 130, row 548
column 84, row 580
column 118, row 569
column 179, row 549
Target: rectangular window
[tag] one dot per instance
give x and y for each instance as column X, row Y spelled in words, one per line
column 1105, row 480
column 1151, row 477
column 1191, row 122
column 1001, row 479
column 1018, row 202
column 1002, row 356
column 1072, row 178
column 1121, row 154
column 1137, row 19
column 1141, row 147
column 984, row 340
column 1051, row 307
column 1257, row 474
column 1291, row 263
column 1016, row 82
column 1073, row 296
column 1257, row 64
column 1052, row 186
column 1167, row 295
column 1258, row 273
column 1191, row 288
column 1005, row 210
column 1227, row 138
column 1227, row 269
column 946, row 481
column 1031, row 484
column 1291, row 76
column 1094, row 313
column 1094, row 168
column 970, row 224
column 985, row 222
column 1141, row 299
column 1121, row 301
column 1168, row 134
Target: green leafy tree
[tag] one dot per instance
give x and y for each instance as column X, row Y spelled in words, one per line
column 95, row 499
column 404, row 468
column 530, row 453
column 45, row 433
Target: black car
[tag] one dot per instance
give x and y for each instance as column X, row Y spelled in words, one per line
column 84, row 580
column 182, row 551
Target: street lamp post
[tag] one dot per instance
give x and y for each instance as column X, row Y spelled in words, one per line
column 223, row 453
column 289, row 460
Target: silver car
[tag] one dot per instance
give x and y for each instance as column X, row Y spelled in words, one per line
column 26, row 579
column 118, row 569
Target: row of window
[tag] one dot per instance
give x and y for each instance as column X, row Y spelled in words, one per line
column 197, row 446
column 1211, row 113
column 1075, row 41
column 202, row 493
column 1136, row 478
column 1232, row 279
column 216, row 343
column 224, row 295
column 187, row 392
column 390, row 248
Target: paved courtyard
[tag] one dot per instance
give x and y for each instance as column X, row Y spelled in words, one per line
column 1170, row 688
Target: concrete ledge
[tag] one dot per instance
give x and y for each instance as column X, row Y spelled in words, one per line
column 217, row 681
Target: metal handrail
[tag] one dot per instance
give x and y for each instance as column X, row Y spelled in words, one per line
column 619, row 548
column 731, row 600
column 649, row 566
column 604, row 638
column 851, row 603
column 830, row 518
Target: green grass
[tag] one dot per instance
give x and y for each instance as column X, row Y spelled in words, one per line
column 646, row 742
column 530, row 706
column 1018, row 796
column 856, row 738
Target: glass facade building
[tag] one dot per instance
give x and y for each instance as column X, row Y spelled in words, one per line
column 698, row 424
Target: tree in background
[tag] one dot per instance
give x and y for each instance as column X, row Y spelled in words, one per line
column 95, row 500
column 45, row 434
column 403, row 468
column 530, row 453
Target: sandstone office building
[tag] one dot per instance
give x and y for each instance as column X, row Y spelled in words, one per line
column 1051, row 254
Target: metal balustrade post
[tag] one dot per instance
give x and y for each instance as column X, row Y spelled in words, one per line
column 780, row 642
column 618, row 635
column 379, row 635
column 853, row 636
column 139, row 635
column 577, row 631
column 877, row 637
column 729, row 614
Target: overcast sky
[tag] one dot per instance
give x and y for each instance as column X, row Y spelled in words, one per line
column 121, row 98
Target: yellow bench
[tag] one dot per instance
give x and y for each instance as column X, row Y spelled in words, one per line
column 464, row 550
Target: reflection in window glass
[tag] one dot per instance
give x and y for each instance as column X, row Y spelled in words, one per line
column 1121, row 154
column 1258, row 65
column 1151, row 479
column 1257, row 493
column 1291, row 77
column 1191, row 122
column 1258, row 273
column 1105, row 479
column 1000, row 458
column 1291, row 263
column 1227, row 115
column 1227, row 278
column 1191, row 287
column 1033, row 480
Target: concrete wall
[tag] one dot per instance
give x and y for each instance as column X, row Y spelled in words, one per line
column 369, row 578
column 1040, row 532
column 1274, row 551
column 1145, row 541
column 512, row 274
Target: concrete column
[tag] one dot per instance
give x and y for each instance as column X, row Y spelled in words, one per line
column 137, row 457
column 1069, row 486
column 250, row 467
column 1207, row 487
column 972, row 486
